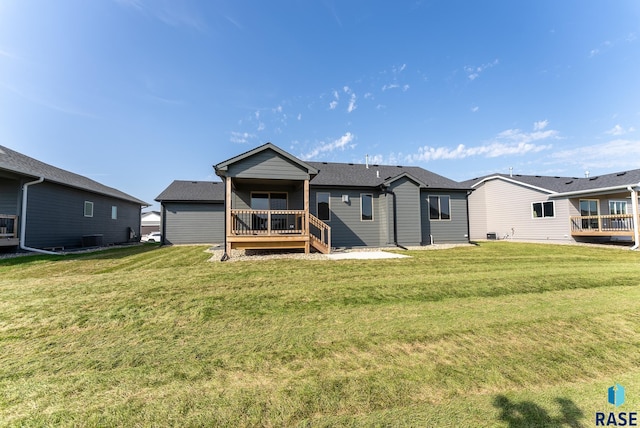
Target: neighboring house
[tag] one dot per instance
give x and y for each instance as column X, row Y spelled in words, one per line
column 271, row 199
column 150, row 222
column 527, row 207
column 192, row 212
column 42, row 206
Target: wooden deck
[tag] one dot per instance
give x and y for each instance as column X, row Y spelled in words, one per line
column 602, row 225
column 278, row 229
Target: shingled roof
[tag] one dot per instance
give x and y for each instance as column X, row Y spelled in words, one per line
column 15, row 162
column 193, row 191
column 554, row 184
column 358, row 175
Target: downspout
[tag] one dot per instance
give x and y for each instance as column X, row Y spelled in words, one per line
column 634, row 205
column 225, row 256
column 395, row 217
column 469, row 192
column 23, row 228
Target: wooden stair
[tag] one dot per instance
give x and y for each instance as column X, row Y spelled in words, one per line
column 319, row 235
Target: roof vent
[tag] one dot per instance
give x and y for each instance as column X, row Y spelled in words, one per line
column 569, row 182
column 620, row 174
column 538, row 176
column 399, row 166
column 593, row 178
column 350, row 163
column 377, row 174
column 324, row 163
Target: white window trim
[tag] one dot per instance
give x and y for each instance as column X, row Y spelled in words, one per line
column 553, row 203
column 439, row 207
column 620, row 201
column 88, row 204
column 318, row 211
column 372, row 216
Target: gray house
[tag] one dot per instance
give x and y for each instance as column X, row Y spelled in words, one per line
column 534, row 207
column 44, row 207
column 271, row 199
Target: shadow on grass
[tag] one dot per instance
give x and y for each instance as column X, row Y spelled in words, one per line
column 109, row 253
column 529, row 414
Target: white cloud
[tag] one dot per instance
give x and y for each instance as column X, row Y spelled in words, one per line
column 540, row 125
column 473, row 72
column 352, row 103
column 616, row 154
column 333, row 105
column 261, row 126
column 340, row 144
column 475, row 109
column 241, row 137
column 510, row 142
column 299, row 116
column 619, row 130
column 390, row 86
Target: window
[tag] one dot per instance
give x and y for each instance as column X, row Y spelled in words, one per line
column 268, row 201
column 114, row 212
column 617, row 207
column 88, row 209
column 543, row 209
column 366, row 207
column 589, row 207
column 439, row 208
column 323, row 207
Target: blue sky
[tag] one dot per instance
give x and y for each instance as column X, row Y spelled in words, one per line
column 137, row 93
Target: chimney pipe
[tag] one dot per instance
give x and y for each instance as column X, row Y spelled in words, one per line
column 510, row 171
column 586, row 174
column 366, row 161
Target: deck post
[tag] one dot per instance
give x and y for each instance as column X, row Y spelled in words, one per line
column 227, row 205
column 305, row 221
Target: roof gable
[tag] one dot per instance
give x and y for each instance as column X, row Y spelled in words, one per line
column 560, row 186
column 264, row 161
column 15, row 162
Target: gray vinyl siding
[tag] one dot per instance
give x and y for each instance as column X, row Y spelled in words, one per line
column 191, row 223
column 9, row 197
column 267, row 165
column 407, row 211
column 55, row 217
column 347, row 228
column 445, row 231
column 242, row 195
column 508, row 208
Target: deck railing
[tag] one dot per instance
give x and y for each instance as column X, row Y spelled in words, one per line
column 602, row 224
column 320, row 231
column 8, row 226
column 268, row 222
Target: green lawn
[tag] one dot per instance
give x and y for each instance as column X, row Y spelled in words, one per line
column 500, row 334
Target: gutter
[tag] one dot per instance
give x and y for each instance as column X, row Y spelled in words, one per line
column 589, row 191
column 23, row 228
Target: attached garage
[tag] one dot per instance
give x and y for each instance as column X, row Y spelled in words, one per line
column 192, row 212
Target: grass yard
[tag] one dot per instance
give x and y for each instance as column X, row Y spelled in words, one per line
column 501, row 334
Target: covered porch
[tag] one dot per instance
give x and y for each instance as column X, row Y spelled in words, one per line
column 267, row 203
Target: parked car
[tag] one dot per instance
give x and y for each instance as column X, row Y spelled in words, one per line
column 152, row 237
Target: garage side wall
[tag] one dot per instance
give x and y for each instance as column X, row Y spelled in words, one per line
column 190, row 223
